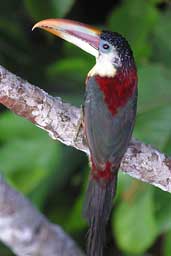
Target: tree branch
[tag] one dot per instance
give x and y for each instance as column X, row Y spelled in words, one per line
column 61, row 120
column 26, row 231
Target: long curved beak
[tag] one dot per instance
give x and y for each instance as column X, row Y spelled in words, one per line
column 79, row 34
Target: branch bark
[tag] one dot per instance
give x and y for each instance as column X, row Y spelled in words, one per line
column 23, row 228
column 26, row 231
column 61, row 120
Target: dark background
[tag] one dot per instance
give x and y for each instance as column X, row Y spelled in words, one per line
column 54, row 176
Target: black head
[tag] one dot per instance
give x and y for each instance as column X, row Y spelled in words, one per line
column 116, row 43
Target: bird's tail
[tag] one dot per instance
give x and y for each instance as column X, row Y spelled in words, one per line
column 97, row 212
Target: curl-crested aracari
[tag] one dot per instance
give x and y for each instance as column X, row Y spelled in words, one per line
column 108, row 116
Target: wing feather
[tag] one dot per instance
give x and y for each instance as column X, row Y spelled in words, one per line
column 107, row 135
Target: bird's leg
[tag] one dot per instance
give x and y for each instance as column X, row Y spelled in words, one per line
column 80, row 124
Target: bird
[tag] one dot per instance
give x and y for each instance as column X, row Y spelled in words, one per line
column 109, row 112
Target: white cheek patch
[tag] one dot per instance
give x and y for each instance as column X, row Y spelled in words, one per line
column 104, row 66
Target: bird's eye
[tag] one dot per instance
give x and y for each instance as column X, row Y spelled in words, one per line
column 106, row 46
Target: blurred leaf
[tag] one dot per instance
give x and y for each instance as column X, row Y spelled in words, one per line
column 48, row 9
column 64, row 186
column 154, row 127
column 71, row 77
column 167, row 146
column 76, row 222
column 162, row 202
column 77, row 70
column 124, row 184
column 9, row 6
column 154, row 106
column 14, row 43
column 27, row 156
column 13, row 126
column 40, row 9
column 28, row 162
column 154, row 87
column 161, row 41
column 62, row 6
column 135, row 20
column 13, row 29
column 134, row 223
column 167, row 244
column 58, row 208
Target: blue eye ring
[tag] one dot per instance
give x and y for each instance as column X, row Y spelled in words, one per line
column 106, row 46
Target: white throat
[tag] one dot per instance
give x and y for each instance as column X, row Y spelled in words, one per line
column 103, row 67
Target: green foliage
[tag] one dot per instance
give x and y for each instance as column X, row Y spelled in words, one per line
column 76, row 222
column 134, row 223
column 167, row 245
column 135, row 20
column 55, row 176
column 162, row 211
column 161, row 40
column 48, row 9
column 30, row 152
column 154, row 87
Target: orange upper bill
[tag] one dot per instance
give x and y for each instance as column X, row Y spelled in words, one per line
column 84, row 36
